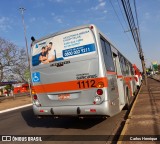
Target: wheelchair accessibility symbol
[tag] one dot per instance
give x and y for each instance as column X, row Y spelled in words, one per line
column 36, row 77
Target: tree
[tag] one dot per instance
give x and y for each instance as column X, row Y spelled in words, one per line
column 9, row 88
column 159, row 67
column 27, row 75
column 13, row 61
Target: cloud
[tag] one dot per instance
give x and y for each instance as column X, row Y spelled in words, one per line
column 69, row 10
column 105, row 11
column 78, row 1
column 101, row 18
column 39, row 4
column 33, row 19
column 147, row 15
column 52, row 14
column 101, row 5
column 59, row 20
column 58, row 1
column 5, row 24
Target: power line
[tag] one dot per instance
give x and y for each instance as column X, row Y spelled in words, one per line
column 120, row 20
column 137, row 21
column 135, row 32
column 116, row 15
column 122, row 12
column 131, row 22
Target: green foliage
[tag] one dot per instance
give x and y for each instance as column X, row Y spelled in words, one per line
column 9, row 88
column 26, row 75
column 155, row 67
column 159, row 67
column 149, row 69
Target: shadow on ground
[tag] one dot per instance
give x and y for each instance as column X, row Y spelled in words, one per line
column 66, row 122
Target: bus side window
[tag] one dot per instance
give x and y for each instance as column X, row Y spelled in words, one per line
column 122, row 64
column 108, row 59
column 114, row 60
column 127, row 67
column 132, row 70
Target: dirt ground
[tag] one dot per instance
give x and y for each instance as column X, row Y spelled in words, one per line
column 156, row 77
column 11, row 103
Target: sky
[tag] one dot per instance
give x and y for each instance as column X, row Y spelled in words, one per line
column 44, row 17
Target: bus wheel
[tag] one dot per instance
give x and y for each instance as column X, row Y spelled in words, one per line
column 127, row 105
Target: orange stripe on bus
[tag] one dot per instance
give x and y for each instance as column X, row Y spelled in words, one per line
column 111, row 72
column 119, row 76
column 70, row 85
column 128, row 78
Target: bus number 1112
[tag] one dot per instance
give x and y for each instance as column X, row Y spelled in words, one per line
column 86, row 84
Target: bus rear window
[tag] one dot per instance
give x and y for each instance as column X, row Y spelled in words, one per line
column 64, row 46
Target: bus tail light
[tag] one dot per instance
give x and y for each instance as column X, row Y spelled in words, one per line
column 98, row 98
column 41, row 110
column 36, row 101
column 35, row 97
column 100, row 85
column 99, row 91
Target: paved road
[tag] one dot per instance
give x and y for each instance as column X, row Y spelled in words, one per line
column 23, row 122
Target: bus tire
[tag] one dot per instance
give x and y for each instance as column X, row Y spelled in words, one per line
column 127, row 105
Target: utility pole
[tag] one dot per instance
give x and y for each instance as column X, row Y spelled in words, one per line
column 22, row 13
column 135, row 32
column 141, row 56
column 22, row 9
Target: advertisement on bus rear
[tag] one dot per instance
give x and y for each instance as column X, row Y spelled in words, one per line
column 65, row 46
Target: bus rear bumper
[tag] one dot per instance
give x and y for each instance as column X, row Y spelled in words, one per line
column 104, row 109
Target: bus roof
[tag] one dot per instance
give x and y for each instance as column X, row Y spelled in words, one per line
column 62, row 32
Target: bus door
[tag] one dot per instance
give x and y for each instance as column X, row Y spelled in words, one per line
column 119, row 80
column 111, row 74
column 133, row 85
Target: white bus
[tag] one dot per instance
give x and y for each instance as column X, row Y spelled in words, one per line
column 79, row 72
column 137, row 76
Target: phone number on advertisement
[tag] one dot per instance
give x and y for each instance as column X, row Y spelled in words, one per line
column 72, row 52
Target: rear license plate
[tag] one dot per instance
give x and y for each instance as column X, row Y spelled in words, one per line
column 63, row 96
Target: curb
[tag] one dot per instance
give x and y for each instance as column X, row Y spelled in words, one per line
column 128, row 119
column 15, row 108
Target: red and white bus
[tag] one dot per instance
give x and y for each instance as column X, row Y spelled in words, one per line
column 138, row 76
